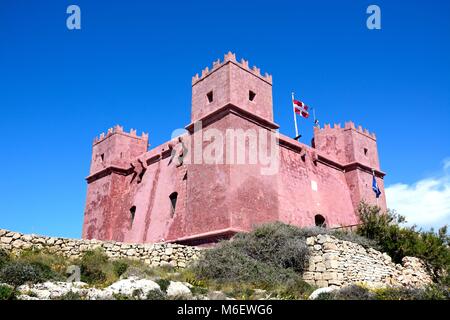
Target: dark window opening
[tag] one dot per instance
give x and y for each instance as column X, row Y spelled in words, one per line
column 132, row 213
column 173, row 202
column 251, row 95
column 365, row 151
column 102, row 156
column 210, row 96
column 185, row 176
column 320, row 221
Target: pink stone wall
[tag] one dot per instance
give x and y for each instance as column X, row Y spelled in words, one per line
column 307, row 189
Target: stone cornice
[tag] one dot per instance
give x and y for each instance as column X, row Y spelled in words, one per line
column 232, row 109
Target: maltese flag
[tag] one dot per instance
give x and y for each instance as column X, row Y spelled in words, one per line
column 300, row 108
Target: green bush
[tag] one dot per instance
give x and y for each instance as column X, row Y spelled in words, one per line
column 92, row 266
column 70, row 296
column 398, row 241
column 4, row 257
column 163, row 284
column 156, row 295
column 198, row 290
column 227, row 263
column 7, row 293
column 277, row 244
column 17, row 273
column 272, row 257
column 325, row 296
column 120, row 267
column 53, row 266
column 399, row 294
column 353, row 292
column 436, row 292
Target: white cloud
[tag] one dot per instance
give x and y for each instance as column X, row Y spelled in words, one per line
column 426, row 202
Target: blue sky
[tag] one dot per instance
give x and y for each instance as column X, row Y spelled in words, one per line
column 132, row 63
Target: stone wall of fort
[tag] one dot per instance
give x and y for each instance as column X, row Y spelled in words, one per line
column 332, row 262
column 156, row 254
column 335, row 262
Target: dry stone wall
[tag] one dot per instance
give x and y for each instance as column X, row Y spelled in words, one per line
column 335, row 263
column 332, row 262
column 152, row 254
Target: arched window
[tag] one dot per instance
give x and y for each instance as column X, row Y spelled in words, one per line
column 132, row 213
column 320, row 221
column 173, row 202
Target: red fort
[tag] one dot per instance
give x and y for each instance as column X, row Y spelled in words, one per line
column 229, row 171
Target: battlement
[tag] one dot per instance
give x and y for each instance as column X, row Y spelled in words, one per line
column 231, row 57
column 119, row 130
column 348, row 126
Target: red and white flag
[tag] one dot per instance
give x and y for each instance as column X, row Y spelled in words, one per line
column 300, row 108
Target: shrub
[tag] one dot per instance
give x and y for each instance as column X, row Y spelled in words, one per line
column 70, row 296
column 156, row 295
column 4, row 257
column 353, row 292
column 271, row 257
column 398, row 293
column 227, row 263
column 398, row 241
column 198, row 290
column 121, row 296
column 119, row 267
column 325, row 296
column 7, row 293
column 17, row 273
column 92, row 266
column 53, row 265
column 163, row 284
column 278, row 244
column 436, row 292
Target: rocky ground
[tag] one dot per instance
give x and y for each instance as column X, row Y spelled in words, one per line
column 124, row 289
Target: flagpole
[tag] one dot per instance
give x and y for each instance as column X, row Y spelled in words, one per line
column 295, row 118
column 314, row 115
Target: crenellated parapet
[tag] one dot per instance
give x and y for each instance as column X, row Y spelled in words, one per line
column 119, row 130
column 231, row 57
column 348, row 126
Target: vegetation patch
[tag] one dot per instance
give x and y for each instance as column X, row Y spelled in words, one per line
column 385, row 228
column 7, row 293
column 271, row 257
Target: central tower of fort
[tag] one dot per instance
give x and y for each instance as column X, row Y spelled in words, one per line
column 174, row 193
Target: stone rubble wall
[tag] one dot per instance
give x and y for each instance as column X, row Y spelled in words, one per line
column 332, row 262
column 153, row 254
column 335, row 263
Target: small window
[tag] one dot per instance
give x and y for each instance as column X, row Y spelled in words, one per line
column 251, row 95
column 210, row 96
column 173, row 202
column 103, row 157
column 132, row 213
column 366, row 151
column 319, row 220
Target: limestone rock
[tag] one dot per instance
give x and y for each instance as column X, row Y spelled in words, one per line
column 131, row 285
column 317, row 292
column 6, row 240
column 216, row 295
column 178, row 289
